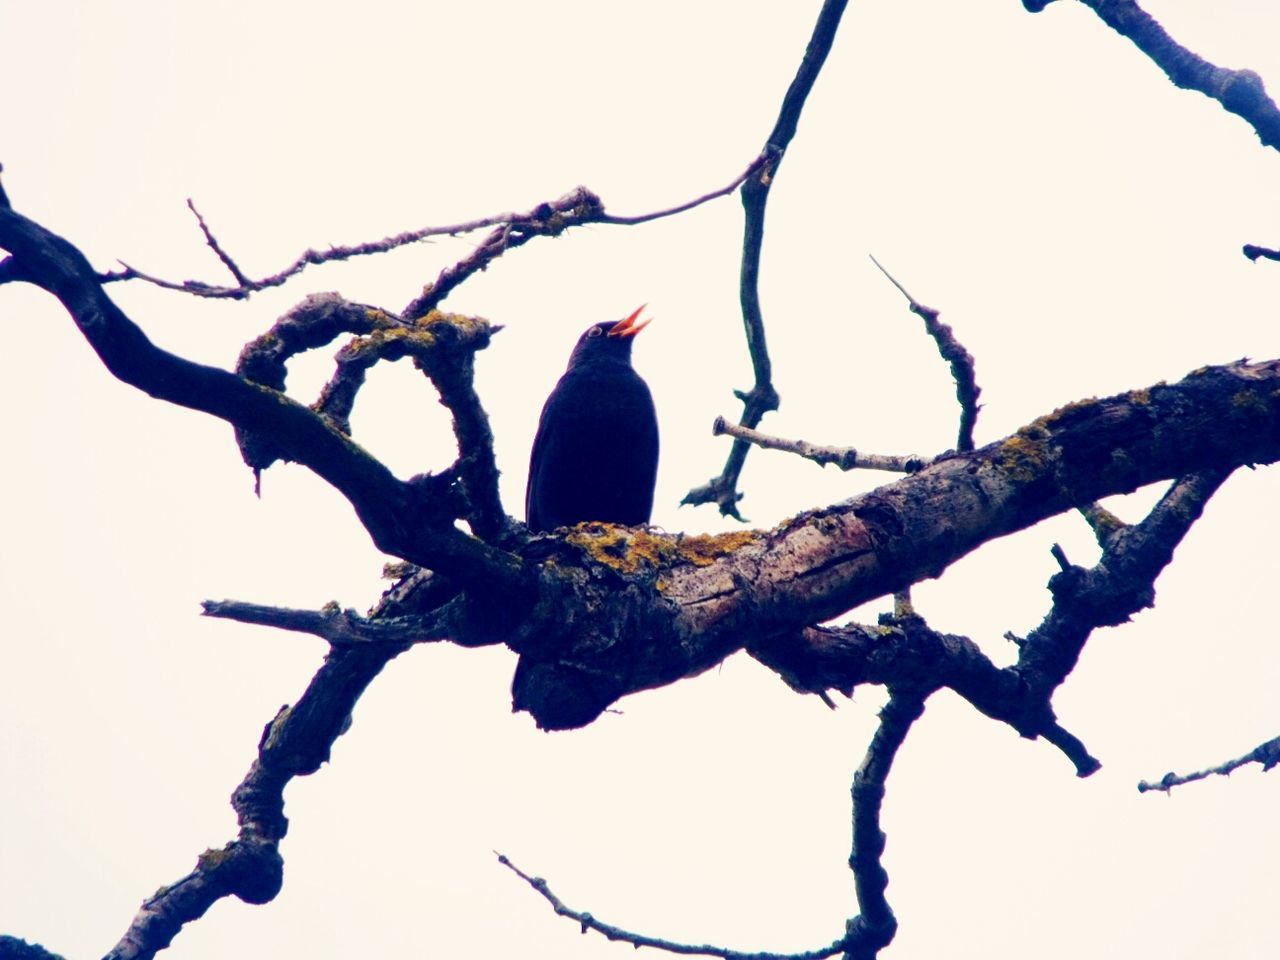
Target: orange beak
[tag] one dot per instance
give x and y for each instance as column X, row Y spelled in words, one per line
column 629, row 327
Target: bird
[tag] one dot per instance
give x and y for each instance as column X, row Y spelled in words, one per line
column 595, row 455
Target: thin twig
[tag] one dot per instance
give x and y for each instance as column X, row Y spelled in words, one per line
column 587, row 922
column 225, row 257
column 1267, row 754
column 510, row 225
column 722, row 490
column 960, row 360
column 846, row 458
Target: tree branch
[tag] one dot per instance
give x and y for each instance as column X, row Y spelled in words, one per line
column 339, row 627
column 294, row 744
column 666, row 607
column 587, row 922
column 393, row 511
column 1267, row 754
column 957, row 357
column 846, row 458
column 1239, row 91
column 722, row 489
column 875, row 925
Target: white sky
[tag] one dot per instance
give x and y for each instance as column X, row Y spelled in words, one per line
column 1076, row 218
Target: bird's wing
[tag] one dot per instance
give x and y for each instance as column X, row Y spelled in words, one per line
column 541, row 441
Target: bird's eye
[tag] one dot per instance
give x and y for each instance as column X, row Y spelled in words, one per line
column 594, row 332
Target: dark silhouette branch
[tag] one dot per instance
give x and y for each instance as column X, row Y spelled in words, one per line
column 957, row 357
column 1238, row 91
column 1267, row 754
column 722, row 490
column 1255, row 252
column 875, row 925
column 846, row 458
column 294, row 744
column 578, row 207
column 339, row 627
column 393, row 511
column 587, row 922
column 666, row 607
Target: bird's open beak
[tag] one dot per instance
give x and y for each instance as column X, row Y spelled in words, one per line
column 629, row 327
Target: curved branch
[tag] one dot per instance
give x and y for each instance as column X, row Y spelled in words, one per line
column 1267, row 754
column 588, row 922
column 1239, row 91
column 762, row 397
column 664, row 607
column 391, row 510
column 294, row 744
column 957, row 357
column 873, row 928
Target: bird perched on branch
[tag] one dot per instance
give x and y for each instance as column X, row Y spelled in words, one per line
column 595, row 456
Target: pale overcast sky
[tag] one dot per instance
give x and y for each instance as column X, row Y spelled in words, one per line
column 1076, row 218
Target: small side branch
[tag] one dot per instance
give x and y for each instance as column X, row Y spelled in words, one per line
column 903, row 651
column 1121, row 584
column 959, row 359
column 544, row 219
column 846, row 458
column 722, row 490
column 294, row 744
column 336, row 626
column 587, row 922
column 1239, row 91
column 875, row 925
column 1267, row 754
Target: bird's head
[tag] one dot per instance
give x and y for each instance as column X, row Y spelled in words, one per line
column 607, row 341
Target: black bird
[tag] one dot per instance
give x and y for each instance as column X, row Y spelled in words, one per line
column 595, row 456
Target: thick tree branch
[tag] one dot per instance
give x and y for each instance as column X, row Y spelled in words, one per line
column 1253, row 252
column 294, row 744
column 873, row 928
column 662, row 607
column 391, row 510
column 902, row 650
column 762, row 397
column 1239, row 91
column 1121, row 584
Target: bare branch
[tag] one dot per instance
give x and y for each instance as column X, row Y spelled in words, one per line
column 875, row 925
column 543, row 220
column 294, row 744
column 210, row 239
column 1239, row 91
column 337, row 626
column 762, row 398
column 587, row 922
column 1267, row 754
column 1121, row 584
column 903, row 651
column 960, row 360
column 846, row 458
column 1254, row 252
column 754, row 167
column 713, row 598
column 393, row 511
